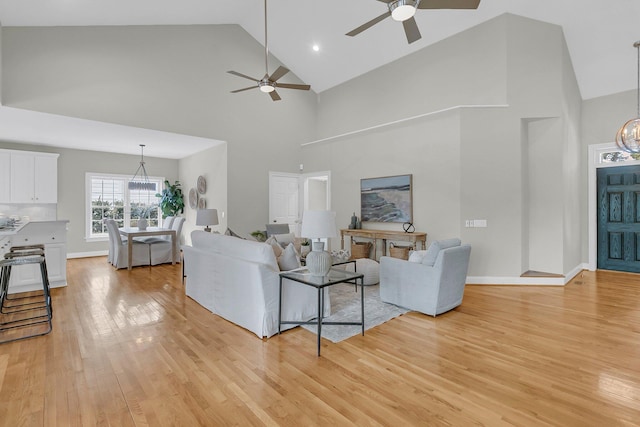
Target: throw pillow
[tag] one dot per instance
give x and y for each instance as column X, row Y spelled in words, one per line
column 277, row 250
column 432, row 253
column 289, row 259
column 284, row 239
column 417, row 256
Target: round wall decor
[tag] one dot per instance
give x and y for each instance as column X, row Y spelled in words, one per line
column 193, row 198
column 202, row 185
column 202, row 203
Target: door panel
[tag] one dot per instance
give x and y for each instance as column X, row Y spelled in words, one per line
column 619, row 218
column 284, row 199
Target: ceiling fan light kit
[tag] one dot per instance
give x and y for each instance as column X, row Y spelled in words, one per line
column 404, row 11
column 268, row 83
column 628, row 136
column 401, row 10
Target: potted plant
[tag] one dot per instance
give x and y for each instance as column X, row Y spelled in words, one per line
column 171, row 200
column 260, row 236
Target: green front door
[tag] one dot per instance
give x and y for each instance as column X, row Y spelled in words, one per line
column 619, row 218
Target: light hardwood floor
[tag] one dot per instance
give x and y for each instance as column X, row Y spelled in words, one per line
column 128, row 348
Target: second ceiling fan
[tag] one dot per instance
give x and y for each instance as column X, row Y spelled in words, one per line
column 269, row 83
column 403, row 10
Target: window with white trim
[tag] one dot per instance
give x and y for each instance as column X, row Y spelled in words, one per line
column 108, row 197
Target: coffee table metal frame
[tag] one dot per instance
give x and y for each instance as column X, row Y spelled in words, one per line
column 334, row 277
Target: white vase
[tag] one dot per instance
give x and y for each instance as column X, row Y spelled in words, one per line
column 142, row 224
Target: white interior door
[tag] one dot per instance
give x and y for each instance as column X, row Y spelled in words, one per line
column 284, row 196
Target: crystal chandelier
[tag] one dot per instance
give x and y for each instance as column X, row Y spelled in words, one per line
column 628, row 137
column 142, row 183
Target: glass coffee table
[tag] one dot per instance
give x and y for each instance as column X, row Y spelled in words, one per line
column 334, row 277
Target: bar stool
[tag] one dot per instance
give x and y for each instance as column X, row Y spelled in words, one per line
column 29, row 311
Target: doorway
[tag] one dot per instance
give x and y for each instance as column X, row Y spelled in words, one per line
column 291, row 194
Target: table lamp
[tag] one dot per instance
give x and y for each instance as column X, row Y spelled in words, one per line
column 207, row 217
column 318, row 225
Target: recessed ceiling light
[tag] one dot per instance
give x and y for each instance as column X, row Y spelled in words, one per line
column 315, row 48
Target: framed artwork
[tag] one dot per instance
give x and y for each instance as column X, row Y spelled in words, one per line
column 386, row 199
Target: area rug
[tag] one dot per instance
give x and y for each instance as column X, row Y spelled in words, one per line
column 345, row 307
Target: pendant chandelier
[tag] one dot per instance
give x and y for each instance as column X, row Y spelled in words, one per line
column 142, row 182
column 628, row 137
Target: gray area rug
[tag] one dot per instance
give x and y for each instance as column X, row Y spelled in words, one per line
column 345, row 307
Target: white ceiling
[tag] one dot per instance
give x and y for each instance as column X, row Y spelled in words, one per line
column 599, row 34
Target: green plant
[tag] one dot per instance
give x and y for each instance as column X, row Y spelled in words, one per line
column 171, row 200
column 260, row 236
column 305, row 242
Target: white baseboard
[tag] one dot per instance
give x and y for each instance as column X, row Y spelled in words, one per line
column 527, row 281
column 87, row 254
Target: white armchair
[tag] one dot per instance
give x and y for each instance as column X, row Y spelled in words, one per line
column 430, row 289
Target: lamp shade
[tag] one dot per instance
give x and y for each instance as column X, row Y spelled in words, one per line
column 207, row 217
column 319, row 224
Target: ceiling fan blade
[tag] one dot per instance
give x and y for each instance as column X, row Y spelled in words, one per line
column 274, row 95
column 294, row 86
column 281, row 71
column 235, row 73
column 449, row 4
column 242, row 90
column 411, row 30
column 386, row 1
column 369, row 24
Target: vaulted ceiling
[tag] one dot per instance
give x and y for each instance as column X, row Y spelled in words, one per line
column 600, row 35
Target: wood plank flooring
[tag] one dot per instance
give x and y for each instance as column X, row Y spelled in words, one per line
column 129, row 349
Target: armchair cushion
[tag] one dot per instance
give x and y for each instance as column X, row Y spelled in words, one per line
column 435, row 248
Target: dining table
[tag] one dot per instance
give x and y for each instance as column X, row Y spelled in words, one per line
column 132, row 232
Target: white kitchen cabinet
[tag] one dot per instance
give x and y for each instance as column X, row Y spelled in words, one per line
column 33, row 177
column 5, row 177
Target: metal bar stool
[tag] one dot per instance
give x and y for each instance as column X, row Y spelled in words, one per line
column 14, row 252
column 28, row 314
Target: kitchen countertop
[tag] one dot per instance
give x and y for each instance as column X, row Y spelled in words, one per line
column 20, row 225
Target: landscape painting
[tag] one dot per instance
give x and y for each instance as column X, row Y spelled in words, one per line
column 386, row 199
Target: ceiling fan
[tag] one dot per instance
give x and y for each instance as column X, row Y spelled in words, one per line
column 403, row 11
column 269, row 83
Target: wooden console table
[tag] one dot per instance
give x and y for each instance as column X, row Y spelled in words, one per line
column 384, row 235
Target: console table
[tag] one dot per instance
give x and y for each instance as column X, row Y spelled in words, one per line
column 384, row 235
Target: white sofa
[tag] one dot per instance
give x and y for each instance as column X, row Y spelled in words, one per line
column 238, row 280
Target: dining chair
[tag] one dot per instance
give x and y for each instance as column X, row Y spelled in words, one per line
column 161, row 250
column 140, row 250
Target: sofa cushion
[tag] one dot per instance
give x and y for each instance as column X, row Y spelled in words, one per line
column 289, row 259
column 435, row 248
column 234, row 247
column 230, row 232
column 284, row 239
column 277, row 249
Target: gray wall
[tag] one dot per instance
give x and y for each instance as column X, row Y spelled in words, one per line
column 72, row 168
column 468, row 163
column 169, row 78
column 212, row 165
